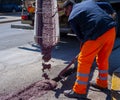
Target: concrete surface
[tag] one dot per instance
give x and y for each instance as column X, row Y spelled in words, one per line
column 21, row 66
column 9, row 17
column 12, row 17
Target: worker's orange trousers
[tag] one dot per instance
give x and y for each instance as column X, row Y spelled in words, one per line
column 100, row 49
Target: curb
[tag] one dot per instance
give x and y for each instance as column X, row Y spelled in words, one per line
column 22, row 27
column 115, row 87
column 6, row 21
column 9, row 13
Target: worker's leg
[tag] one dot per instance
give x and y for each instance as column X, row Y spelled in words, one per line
column 103, row 57
column 85, row 61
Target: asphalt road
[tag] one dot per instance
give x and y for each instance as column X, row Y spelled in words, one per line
column 11, row 37
column 20, row 62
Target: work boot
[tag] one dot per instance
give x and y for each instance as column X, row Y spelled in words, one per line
column 93, row 84
column 72, row 94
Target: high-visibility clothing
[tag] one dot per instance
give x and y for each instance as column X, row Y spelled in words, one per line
column 31, row 9
column 100, row 49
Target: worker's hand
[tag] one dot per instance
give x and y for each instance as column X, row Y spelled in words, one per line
column 113, row 15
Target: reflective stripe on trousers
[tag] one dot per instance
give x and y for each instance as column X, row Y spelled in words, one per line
column 101, row 49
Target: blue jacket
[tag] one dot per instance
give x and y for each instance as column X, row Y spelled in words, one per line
column 106, row 6
column 88, row 21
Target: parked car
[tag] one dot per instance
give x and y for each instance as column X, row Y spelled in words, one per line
column 11, row 7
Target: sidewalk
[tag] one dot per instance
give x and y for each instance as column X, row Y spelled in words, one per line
column 9, row 17
column 12, row 17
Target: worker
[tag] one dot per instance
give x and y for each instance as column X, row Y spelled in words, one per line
column 96, row 30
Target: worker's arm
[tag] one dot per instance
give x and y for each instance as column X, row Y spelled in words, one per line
column 113, row 15
column 108, row 8
column 75, row 26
